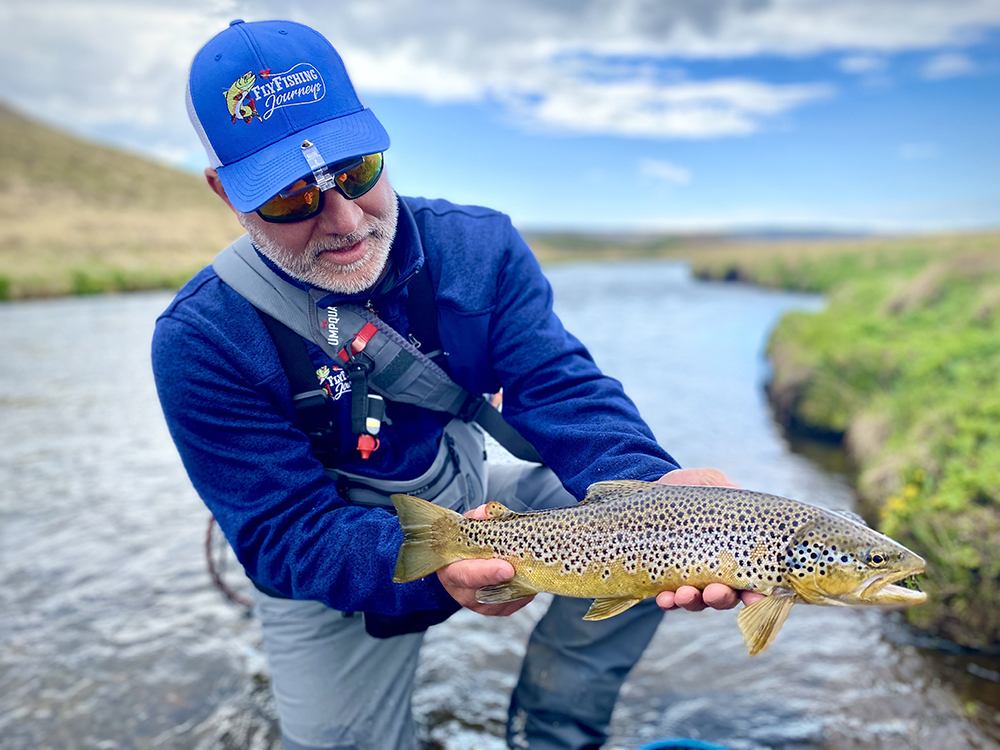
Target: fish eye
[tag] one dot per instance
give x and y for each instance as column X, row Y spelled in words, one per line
column 875, row 558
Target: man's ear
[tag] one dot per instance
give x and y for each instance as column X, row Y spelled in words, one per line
column 212, row 177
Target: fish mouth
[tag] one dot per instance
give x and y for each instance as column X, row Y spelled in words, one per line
column 900, row 589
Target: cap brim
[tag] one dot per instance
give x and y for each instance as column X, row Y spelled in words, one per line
column 253, row 181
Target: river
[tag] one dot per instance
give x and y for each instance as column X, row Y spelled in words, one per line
column 113, row 637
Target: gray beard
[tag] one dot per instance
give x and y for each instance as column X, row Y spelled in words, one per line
column 353, row 278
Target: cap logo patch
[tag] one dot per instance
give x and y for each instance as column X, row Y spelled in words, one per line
column 240, row 104
column 300, row 84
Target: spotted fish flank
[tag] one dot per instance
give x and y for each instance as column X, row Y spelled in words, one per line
column 630, row 540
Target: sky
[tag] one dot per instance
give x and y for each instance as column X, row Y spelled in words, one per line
column 596, row 115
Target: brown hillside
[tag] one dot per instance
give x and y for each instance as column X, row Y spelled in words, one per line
column 77, row 217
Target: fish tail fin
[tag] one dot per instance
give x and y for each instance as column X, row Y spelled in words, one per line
column 422, row 523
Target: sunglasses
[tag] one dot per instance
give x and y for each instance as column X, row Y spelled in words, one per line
column 304, row 198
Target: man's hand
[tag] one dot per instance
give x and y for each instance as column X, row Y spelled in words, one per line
column 463, row 578
column 715, row 595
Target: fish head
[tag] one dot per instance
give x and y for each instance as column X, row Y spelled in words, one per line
column 837, row 560
column 246, row 81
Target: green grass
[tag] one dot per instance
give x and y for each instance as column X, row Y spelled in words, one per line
column 905, row 362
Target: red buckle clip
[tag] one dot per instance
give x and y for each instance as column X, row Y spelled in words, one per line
column 367, row 444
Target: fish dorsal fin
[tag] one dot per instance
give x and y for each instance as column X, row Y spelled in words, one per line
column 602, row 492
column 497, row 510
column 609, row 606
column 850, row 515
column 761, row 621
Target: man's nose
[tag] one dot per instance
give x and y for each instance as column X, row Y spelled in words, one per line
column 339, row 216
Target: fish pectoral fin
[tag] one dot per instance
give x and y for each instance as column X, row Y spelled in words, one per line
column 761, row 621
column 609, row 606
column 508, row 591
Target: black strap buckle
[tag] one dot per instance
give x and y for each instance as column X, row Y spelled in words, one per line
column 471, row 408
column 310, row 400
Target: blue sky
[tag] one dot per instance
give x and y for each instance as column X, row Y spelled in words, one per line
column 635, row 115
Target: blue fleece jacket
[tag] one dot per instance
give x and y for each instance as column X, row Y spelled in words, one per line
column 228, row 406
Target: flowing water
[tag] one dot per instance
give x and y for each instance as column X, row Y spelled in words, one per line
column 112, row 635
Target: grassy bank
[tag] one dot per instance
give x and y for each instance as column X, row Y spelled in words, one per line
column 904, row 362
column 78, row 218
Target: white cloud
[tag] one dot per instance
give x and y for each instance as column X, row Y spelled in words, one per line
column 695, row 109
column 948, row 65
column 665, row 171
column 862, row 64
column 918, row 151
column 119, row 66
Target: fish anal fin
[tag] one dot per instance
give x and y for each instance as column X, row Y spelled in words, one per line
column 508, row 591
column 600, row 492
column 609, row 606
column 761, row 621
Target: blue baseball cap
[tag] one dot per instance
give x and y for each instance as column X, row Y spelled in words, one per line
column 257, row 91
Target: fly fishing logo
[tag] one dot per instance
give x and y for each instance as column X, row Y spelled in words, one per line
column 334, row 381
column 239, row 101
column 300, row 84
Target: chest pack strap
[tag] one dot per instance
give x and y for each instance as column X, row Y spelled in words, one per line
column 394, row 368
column 312, row 404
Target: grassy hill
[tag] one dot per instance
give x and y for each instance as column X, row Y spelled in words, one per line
column 76, row 217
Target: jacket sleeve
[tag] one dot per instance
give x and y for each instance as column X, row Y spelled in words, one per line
column 254, row 469
column 579, row 419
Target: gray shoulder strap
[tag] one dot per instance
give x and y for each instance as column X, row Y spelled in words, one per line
column 401, row 372
column 241, row 267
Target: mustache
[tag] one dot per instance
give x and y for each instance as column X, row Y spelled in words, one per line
column 376, row 230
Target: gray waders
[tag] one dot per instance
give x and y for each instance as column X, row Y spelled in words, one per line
column 338, row 688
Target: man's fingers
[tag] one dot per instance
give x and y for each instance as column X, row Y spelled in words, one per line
column 697, row 477
column 666, row 600
column 715, row 595
column 474, row 574
column 749, row 597
column 719, row 596
column 689, row 598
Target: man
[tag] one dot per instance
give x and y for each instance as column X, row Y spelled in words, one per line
column 297, row 469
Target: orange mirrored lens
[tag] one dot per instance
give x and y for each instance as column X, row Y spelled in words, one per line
column 303, row 199
column 358, row 181
column 294, row 207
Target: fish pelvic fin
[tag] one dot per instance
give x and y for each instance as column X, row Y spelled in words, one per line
column 609, row 606
column 761, row 621
column 508, row 591
column 422, row 523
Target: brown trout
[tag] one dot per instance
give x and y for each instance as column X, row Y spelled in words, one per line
column 628, row 540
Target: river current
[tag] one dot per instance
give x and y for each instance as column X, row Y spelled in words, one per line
column 112, row 635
